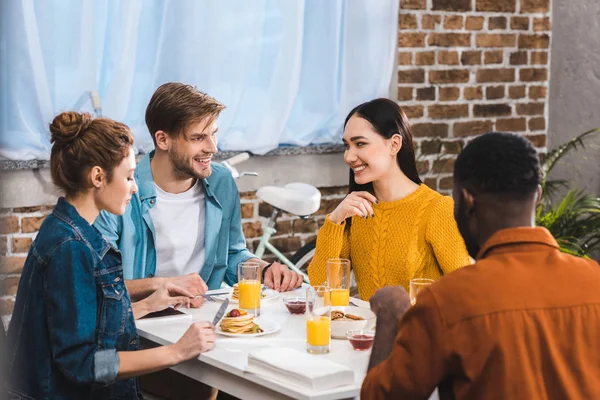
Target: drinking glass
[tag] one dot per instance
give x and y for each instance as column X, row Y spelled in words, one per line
column 249, row 275
column 416, row 285
column 318, row 320
column 338, row 279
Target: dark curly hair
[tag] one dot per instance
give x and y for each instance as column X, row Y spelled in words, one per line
column 499, row 163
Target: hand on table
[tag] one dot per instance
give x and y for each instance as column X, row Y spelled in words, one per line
column 194, row 285
column 169, row 295
column 281, row 278
column 199, row 338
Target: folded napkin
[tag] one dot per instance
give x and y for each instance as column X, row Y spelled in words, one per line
column 302, row 369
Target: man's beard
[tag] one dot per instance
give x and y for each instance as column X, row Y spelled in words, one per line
column 462, row 221
column 182, row 166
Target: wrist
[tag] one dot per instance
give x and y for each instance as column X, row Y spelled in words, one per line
column 175, row 356
column 333, row 218
column 264, row 271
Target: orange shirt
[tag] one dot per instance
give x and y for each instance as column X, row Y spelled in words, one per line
column 523, row 322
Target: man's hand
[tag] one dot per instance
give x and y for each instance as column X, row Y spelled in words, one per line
column 389, row 305
column 169, row 295
column 193, row 284
column 281, row 278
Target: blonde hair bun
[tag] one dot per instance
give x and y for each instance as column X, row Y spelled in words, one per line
column 67, row 126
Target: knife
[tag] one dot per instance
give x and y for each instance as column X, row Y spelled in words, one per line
column 220, row 312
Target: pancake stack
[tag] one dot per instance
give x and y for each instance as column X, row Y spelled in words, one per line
column 243, row 323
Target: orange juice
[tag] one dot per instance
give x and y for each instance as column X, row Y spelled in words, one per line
column 340, row 297
column 318, row 331
column 249, row 294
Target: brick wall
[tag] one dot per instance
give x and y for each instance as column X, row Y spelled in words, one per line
column 467, row 67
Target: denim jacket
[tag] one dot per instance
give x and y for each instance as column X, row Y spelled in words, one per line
column 71, row 316
column 133, row 232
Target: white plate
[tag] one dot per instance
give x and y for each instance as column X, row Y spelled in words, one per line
column 266, row 325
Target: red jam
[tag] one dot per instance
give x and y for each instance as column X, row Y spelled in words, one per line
column 296, row 307
column 361, row 342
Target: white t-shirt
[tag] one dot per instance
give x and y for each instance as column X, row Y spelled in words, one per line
column 179, row 221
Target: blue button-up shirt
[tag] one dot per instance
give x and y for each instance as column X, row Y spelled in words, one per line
column 134, row 234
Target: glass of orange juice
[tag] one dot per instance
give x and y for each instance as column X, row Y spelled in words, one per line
column 249, row 274
column 338, row 279
column 318, row 320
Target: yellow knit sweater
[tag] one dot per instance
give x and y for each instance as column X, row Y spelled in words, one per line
column 414, row 237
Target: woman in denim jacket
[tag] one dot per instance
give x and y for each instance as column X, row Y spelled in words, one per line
column 72, row 333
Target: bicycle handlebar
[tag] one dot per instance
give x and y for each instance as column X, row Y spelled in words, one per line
column 239, row 158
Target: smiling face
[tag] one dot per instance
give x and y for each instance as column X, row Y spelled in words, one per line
column 369, row 155
column 115, row 194
column 190, row 153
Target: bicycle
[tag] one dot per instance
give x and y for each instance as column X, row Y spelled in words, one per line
column 299, row 199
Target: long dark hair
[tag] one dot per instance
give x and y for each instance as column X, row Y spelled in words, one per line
column 388, row 119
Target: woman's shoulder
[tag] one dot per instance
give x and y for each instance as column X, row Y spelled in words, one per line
column 56, row 234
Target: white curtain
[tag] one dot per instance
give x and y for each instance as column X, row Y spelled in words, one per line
column 287, row 70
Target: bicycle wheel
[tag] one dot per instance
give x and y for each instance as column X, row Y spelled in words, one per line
column 302, row 258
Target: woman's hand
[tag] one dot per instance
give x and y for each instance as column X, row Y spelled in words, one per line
column 355, row 204
column 199, row 337
column 169, row 295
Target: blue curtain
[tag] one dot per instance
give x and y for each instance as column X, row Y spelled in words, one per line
column 288, row 71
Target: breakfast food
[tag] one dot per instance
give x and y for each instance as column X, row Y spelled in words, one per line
column 239, row 322
column 236, row 293
column 340, row 316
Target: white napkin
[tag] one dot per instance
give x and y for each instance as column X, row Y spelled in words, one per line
column 302, row 369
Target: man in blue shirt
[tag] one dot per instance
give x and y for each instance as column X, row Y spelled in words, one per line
column 184, row 223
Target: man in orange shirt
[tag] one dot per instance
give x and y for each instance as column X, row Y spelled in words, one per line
column 523, row 322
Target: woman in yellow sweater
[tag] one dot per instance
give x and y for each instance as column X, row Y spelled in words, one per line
column 391, row 226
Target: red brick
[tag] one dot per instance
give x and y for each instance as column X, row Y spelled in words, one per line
column 539, row 57
column 518, row 58
column 511, row 124
column 496, row 5
column 411, row 39
column 426, row 93
column 287, row 244
column 496, row 23
column 533, row 74
column 449, row 93
column 537, row 124
column 11, row 265
column 448, row 58
column 431, row 183
column 3, row 245
column 449, row 111
column 429, row 21
column 471, row 58
column 535, row 6
column 304, row 226
column 31, row 224
column 473, row 93
column 247, row 210
column 452, row 5
column 454, row 147
column 443, row 165
column 248, row 195
column 252, row 229
column 408, row 21
column 449, row 76
column 494, row 92
column 425, row 58
column 496, row 75
column 265, row 210
column 411, row 76
column 472, row 128
column 537, row 92
column 474, row 23
column 327, row 206
column 20, row 244
column 422, row 167
column 453, row 22
column 537, row 140
column 333, row 190
column 539, row 41
column 496, row 40
column 9, row 286
column 283, row 228
column 405, row 93
column 530, row 109
column 413, row 111
column 431, row 146
column 9, row 224
column 405, row 58
column 6, row 306
column 25, row 210
column 516, row 92
column 449, row 39
column 430, row 130
column 491, row 110
column 413, row 4
column 541, row 24
column 446, row 183
column 519, row 23
column 494, row 57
